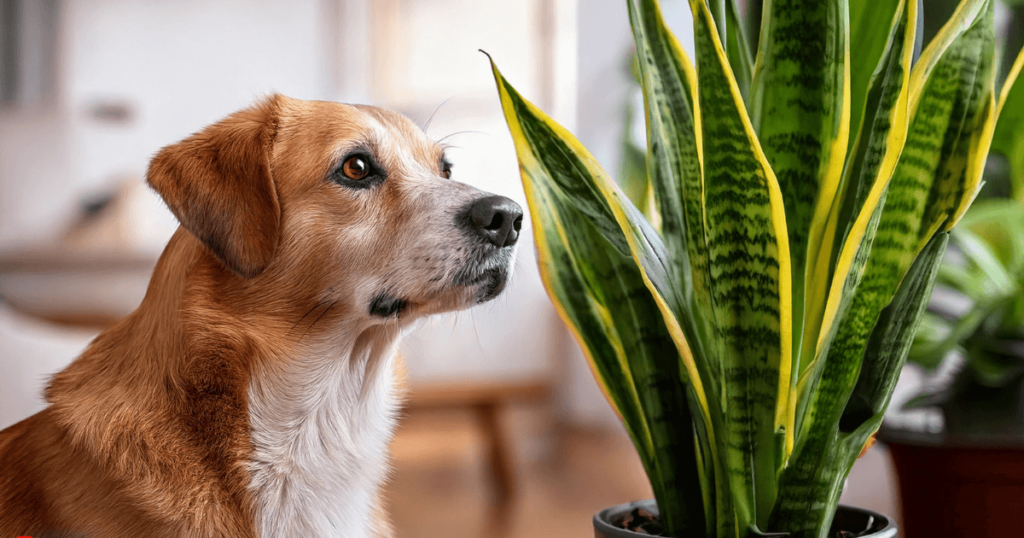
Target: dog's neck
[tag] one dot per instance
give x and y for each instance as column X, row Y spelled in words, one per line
column 321, row 427
column 264, row 422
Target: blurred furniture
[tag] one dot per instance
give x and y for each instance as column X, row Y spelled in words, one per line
column 74, row 288
column 486, row 400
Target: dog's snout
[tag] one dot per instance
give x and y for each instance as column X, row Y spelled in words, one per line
column 497, row 219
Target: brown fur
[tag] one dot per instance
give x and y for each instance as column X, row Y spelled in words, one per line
column 147, row 432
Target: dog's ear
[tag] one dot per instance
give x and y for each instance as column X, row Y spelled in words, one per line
column 218, row 184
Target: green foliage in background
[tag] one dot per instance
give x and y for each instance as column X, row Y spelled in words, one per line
column 987, row 269
column 1009, row 135
column 748, row 323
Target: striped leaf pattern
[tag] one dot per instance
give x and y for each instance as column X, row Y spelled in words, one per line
column 600, row 293
column 806, row 507
column 863, row 189
column 950, row 90
column 674, row 170
column 749, row 272
column 801, row 109
column 869, row 39
column 750, row 337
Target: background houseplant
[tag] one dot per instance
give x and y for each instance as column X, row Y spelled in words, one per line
column 750, row 333
column 987, row 269
column 968, row 476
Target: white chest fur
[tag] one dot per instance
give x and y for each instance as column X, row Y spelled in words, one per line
column 320, row 441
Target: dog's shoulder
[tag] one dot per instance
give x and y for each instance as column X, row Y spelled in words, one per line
column 21, row 498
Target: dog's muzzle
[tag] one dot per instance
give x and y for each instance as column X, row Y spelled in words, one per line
column 493, row 224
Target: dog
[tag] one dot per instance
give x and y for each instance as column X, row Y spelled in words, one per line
column 254, row 391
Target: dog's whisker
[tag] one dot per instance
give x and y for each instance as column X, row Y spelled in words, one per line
column 456, row 320
column 476, row 331
column 468, row 131
column 304, row 316
column 426, row 127
column 322, row 314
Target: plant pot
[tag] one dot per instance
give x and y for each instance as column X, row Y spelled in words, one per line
column 956, row 485
column 859, row 523
column 968, row 479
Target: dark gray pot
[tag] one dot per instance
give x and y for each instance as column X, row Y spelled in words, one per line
column 850, row 519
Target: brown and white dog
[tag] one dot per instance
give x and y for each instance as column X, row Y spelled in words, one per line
column 254, row 391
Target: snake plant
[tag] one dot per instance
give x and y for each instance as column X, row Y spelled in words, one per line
column 749, row 331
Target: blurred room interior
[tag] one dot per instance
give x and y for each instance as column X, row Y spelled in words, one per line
column 505, row 433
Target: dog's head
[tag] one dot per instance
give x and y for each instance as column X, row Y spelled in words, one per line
column 352, row 202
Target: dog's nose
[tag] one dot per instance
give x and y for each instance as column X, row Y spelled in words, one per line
column 497, row 219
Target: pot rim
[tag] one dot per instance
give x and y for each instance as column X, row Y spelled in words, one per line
column 884, row 525
column 893, row 435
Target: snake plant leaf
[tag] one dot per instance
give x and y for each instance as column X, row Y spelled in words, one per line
column 868, row 40
column 988, row 271
column 888, row 346
column 950, row 138
column 601, row 293
column 863, row 190
column 893, row 334
column 951, row 108
column 1009, row 134
column 813, row 485
column 750, row 286
column 674, row 168
column 800, row 106
column 951, row 111
column 737, row 48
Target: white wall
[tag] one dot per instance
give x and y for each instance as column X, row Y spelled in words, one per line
column 181, row 65
column 177, row 65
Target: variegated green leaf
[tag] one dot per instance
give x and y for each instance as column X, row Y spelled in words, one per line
column 800, row 105
column 863, row 188
column 869, row 38
column 601, row 293
column 737, row 48
column 1009, row 134
column 750, row 286
column 951, row 106
column 747, row 312
column 950, row 137
column 668, row 80
column 812, row 491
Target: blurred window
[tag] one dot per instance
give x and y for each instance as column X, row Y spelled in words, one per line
column 28, row 53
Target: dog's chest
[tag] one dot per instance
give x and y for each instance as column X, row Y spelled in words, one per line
column 320, row 443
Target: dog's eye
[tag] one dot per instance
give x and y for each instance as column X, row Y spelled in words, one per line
column 358, row 170
column 355, row 168
column 446, row 169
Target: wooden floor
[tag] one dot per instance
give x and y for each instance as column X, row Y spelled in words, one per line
column 441, row 485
